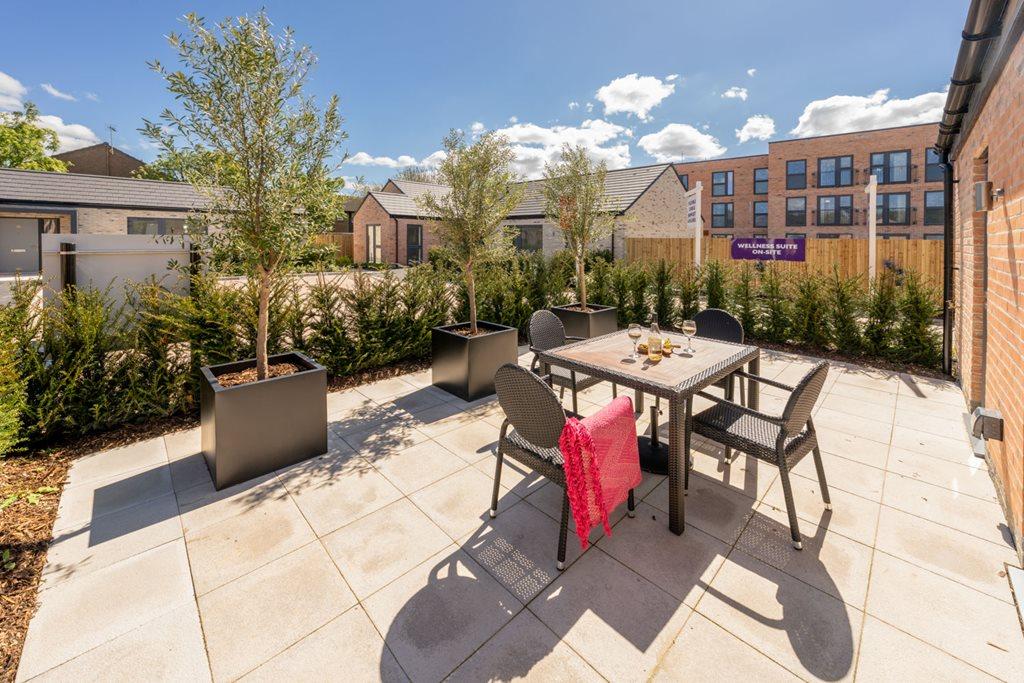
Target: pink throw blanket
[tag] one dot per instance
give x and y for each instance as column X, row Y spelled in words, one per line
column 601, row 464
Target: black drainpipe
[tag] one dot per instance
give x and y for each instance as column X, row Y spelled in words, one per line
column 947, row 264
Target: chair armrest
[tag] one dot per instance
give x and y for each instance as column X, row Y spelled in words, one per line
column 763, row 380
column 743, row 409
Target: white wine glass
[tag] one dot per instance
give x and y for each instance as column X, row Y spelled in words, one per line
column 689, row 329
column 634, row 333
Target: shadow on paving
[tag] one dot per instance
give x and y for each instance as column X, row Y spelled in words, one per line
column 430, row 622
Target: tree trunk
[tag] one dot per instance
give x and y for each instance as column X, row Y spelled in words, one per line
column 471, row 291
column 262, row 323
column 581, row 280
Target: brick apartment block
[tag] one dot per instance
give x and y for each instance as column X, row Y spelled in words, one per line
column 835, row 169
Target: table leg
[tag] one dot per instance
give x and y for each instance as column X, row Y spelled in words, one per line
column 638, row 403
column 754, row 388
column 676, row 503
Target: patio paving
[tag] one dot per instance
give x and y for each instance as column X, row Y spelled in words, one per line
column 378, row 560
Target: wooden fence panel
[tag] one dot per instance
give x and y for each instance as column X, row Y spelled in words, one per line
column 342, row 241
column 851, row 255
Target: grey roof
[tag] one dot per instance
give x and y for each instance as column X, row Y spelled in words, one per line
column 397, row 204
column 79, row 189
column 622, row 186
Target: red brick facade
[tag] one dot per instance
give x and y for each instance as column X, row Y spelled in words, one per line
column 394, row 233
column 989, row 283
column 101, row 159
column 860, row 145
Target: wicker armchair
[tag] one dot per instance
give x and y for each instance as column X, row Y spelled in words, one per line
column 782, row 441
column 714, row 323
column 547, row 332
column 536, row 417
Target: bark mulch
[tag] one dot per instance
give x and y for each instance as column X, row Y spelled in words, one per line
column 30, row 488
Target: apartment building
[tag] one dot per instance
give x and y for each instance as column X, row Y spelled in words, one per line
column 814, row 187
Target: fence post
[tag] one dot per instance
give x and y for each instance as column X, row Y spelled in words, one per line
column 67, row 265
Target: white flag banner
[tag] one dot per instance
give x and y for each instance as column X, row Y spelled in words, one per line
column 693, row 219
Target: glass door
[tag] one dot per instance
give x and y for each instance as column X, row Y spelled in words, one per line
column 373, row 246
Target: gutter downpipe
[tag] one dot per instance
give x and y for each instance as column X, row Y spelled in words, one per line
column 947, row 265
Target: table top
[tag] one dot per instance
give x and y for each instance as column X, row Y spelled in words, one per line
column 609, row 357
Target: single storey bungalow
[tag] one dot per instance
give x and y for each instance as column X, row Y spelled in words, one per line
column 648, row 201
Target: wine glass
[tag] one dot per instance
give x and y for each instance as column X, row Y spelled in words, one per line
column 634, row 334
column 689, row 329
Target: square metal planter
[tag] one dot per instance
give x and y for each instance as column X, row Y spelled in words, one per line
column 249, row 430
column 594, row 323
column 465, row 366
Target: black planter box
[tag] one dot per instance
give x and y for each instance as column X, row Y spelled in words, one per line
column 465, row 366
column 594, row 323
column 249, row 430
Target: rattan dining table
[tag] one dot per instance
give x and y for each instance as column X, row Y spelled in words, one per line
column 675, row 379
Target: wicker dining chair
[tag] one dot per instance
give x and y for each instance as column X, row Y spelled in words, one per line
column 714, row 323
column 547, row 332
column 781, row 441
column 536, row 417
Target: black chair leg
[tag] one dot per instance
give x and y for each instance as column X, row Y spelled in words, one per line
column 497, row 483
column 794, row 525
column 575, row 399
column 630, row 505
column 821, row 478
column 563, row 532
column 615, row 390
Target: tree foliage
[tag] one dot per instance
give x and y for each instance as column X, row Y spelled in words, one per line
column 575, row 201
column 468, row 218
column 24, row 143
column 252, row 143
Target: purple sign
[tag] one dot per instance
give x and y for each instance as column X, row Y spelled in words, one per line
column 765, row 249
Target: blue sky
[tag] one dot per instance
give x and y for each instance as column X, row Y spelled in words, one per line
column 636, row 82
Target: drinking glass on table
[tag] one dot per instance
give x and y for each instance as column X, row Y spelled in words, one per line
column 634, row 334
column 689, row 329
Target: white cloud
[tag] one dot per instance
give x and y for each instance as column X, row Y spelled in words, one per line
column 757, row 127
column 71, row 135
column 845, row 113
column 477, row 129
column 536, row 145
column 574, row 105
column 735, row 92
column 364, row 159
column 92, row 97
column 513, row 119
column 671, row 77
column 751, row 72
column 634, row 94
column 11, row 92
column 679, row 142
column 590, row 107
column 50, row 90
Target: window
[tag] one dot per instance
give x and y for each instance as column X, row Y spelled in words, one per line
column 933, row 169
column 721, row 215
column 49, row 226
column 893, row 209
column 726, row 235
column 796, row 174
column 834, row 235
column 894, row 236
column 835, row 171
column 934, row 236
column 413, row 244
column 684, row 178
column 796, row 211
column 721, row 183
column 795, row 235
column 374, row 252
column 760, row 214
column 156, row 226
column 760, row 181
column 935, row 208
column 836, row 210
column 891, row 167
column 529, row 238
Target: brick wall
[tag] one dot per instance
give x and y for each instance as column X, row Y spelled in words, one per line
column 860, row 145
column 372, row 213
column 98, row 221
column 989, row 335
column 94, row 160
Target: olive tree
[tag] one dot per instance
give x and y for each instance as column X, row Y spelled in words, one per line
column 266, row 145
column 575, row 201
column 483, row 191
